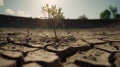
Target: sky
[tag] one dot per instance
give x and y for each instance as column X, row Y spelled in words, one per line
column 72, row 8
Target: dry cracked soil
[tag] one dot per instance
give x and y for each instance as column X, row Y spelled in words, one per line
column 76, row 48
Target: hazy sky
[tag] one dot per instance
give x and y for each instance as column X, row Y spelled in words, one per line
column 71, row 8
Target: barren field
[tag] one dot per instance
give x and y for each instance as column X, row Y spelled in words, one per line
column 76, row 48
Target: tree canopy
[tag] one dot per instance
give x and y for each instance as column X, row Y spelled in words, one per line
column 111, row 13
column 83, row 17
column 51, row 12
column 105, row 14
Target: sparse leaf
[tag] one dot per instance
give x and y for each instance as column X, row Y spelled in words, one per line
column 55, row 14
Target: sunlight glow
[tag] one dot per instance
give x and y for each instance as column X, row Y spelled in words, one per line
column 50, row 2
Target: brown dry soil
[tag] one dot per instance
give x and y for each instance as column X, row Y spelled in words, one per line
column 76, row 48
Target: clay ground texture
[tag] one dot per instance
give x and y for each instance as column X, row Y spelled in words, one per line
column 76, row 48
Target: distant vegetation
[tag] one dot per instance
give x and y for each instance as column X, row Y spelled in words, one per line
column 83, row 17
column 111, row 13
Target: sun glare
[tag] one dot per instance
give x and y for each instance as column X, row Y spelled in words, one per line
column 50, row 2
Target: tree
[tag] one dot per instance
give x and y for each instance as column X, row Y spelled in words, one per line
column 55, row 15
column 83, row 17
column 105, row 14
column 112, row 12
column 117, row 16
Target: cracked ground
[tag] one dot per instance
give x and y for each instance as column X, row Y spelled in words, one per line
column 76, row 48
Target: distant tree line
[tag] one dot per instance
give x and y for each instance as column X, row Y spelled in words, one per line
column 83, row 17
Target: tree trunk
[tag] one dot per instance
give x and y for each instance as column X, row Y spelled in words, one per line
column 54, row 29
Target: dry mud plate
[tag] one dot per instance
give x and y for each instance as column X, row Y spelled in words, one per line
column 76, row 48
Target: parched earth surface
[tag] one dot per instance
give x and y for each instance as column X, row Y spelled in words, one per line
column 75, row 48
